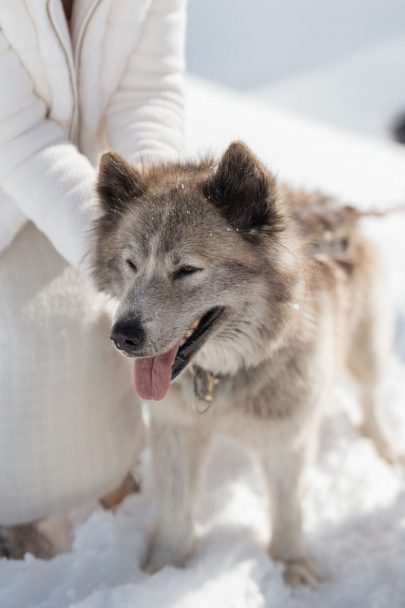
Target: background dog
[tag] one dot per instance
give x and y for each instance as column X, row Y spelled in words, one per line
column 224, row 278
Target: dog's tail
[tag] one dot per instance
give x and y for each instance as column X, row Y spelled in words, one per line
column 378, row 212
column 342, row 228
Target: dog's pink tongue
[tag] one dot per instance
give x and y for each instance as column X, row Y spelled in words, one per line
column 152, row 375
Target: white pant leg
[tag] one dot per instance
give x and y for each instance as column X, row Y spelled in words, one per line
column 70, row 425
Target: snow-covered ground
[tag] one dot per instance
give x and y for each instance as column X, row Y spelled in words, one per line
column 247, row 44
column 355, row 505
column 363, row 91
column 341, row 62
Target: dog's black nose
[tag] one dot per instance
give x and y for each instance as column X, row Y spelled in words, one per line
column 128, row 335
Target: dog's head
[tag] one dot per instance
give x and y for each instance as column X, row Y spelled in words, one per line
column 199, row 260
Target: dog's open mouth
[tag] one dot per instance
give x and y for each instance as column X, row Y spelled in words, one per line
column 194, row 339
column 152, row 375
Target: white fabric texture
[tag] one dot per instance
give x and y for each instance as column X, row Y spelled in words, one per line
column 70, row 424
column 117, row 82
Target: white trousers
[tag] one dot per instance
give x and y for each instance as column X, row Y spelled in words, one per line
column 70, row 425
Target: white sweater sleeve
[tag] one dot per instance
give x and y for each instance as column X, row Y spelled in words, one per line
column 145, row 117
column 45, row 175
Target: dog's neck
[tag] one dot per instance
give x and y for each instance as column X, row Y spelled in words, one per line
column 217, row 366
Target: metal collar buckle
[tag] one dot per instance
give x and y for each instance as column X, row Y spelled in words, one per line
column 204, row 387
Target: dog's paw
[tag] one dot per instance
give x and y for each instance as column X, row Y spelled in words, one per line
column 304, row 571
column 384, row 448
column 16, row 541
column 388, row 453
column 393, row 458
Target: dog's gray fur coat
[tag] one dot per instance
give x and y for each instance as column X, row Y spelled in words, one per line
column 292, row 318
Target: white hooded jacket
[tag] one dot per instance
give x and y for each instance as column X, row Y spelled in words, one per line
column 113, row 81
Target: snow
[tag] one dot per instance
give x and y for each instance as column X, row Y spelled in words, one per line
column 355, row 520
column 362, row 91
column 342, row 62
column 306, row 153
column 354, row 509
column 271, row 40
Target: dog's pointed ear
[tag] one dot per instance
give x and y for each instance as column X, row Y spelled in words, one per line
column 244, row 191
column 118, row 182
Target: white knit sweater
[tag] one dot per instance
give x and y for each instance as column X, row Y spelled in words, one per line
column 113, row 81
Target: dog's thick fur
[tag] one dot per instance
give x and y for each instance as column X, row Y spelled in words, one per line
column 294, row 315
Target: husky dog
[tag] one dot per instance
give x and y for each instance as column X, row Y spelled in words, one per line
column 238, row 323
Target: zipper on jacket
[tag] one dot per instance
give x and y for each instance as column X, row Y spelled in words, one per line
column 82, row 32
column 78, row 53
column 73, row 63
column 71, row 68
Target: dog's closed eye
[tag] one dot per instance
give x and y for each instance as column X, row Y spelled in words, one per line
column 185, row 271
column 131, row 265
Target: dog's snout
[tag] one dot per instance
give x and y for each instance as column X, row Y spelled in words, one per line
column 128, row 335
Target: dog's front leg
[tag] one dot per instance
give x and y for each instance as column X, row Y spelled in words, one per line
column 285, row 466
column 177, row 455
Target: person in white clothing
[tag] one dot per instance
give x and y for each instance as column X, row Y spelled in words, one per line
column 77, row 78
